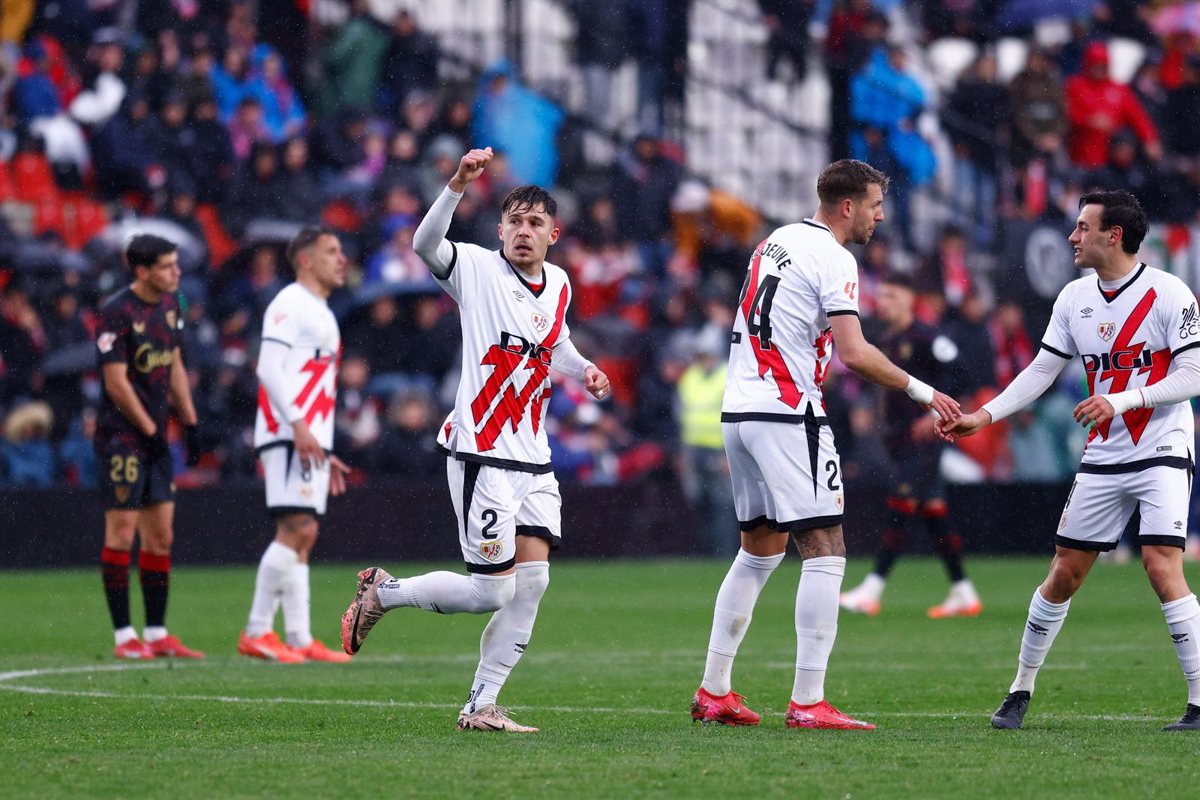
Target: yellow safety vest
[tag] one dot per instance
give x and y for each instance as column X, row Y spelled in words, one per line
column 700, row 395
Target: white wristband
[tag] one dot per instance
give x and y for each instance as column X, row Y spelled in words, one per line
column 921, row 392
column 1124, row 401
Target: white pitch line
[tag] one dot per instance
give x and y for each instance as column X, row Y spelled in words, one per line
column 6, row 684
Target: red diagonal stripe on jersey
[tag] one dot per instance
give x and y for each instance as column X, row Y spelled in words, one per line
column 315, row 367
column 264, row 405
column 512, row 404
column 770, row 358
column 1137, row 419
column 1120, row 377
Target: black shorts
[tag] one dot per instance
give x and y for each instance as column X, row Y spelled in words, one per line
column 129, row 482
column 918, row 475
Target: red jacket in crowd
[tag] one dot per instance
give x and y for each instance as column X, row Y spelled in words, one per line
column 1098, row 107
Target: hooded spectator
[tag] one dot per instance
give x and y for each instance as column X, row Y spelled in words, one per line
column 1098, row 107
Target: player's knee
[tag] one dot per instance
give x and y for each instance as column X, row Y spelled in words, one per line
column 159, row 541
column 1160, row 569
column 532, row 580
column 491, row 592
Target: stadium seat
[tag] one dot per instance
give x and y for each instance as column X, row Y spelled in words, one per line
column 1125, row 57
column 948, row 57
column 85, row 219
column 343, row 216
column 1011, row 54
column 33, row 178
column 48, row 217
column 6, row 186
column 220, row 245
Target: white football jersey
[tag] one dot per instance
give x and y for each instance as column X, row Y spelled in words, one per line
column 302, row 321
column 798, row 277
column 1127, row 339
column 509, row 331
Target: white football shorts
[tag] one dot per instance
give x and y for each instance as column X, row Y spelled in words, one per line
column 1100, row 505
column 494, row 505
column 786, row 476
column 291, row 488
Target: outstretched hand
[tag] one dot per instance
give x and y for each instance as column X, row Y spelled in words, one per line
column 470, row 167
column 965, row 425
column 945, row 406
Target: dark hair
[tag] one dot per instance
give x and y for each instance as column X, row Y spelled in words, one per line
column 898, row 279
column 145, row 249
column 528, row 198
column 1123, row 209
column 848, row 178
column 305, row 239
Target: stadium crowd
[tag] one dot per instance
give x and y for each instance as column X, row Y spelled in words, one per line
column 204, row 123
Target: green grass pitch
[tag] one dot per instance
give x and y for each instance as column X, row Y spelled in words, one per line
column 617, row 653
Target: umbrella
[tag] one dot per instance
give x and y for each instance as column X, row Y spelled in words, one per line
column 1024, row 14
column 1183, row 18
column 116, row 235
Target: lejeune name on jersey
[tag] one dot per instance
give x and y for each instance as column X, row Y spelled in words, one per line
column 302, row 321
column 1127, row 339
column 509, row 333
column 781, row 344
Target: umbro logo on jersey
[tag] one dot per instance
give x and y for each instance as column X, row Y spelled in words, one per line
column 1035, row 628
column 1106, row 330
column 1178, row 525
column 1086, row 313
column 1179, row 638
column 517, row 294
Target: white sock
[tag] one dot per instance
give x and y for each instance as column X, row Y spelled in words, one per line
column 1044, row 623
column 872, row 586
column 816, row 625
column 123, row 635
column 154, row 633
column 731, row 617
column 449, row 593
column 507, row 635
column 1183, row 620
column 296, row 614
column 274, row 569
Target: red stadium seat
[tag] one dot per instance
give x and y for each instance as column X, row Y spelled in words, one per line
column 343, row 216
column 85, row 219
column 33, row 178
column 48, row 217
column 6, row 185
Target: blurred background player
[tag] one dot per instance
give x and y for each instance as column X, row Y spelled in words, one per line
column 800, row 296
column 293, row 434
column 513, row 306
column 915, row 451
column 137, row 340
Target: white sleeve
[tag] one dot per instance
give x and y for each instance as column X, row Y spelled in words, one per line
column 271, row 357
column 568, row 361
column 1058, row 339
column 1027, row 386
column 429, row 240
column 839, row 294
column 1180, row 385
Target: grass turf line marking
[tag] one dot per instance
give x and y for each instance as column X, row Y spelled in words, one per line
column 7, row 677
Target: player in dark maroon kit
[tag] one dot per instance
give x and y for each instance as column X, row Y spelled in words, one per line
column 142, row 372
column 915, row 452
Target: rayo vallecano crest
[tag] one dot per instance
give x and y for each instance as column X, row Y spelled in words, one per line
column 540, row 321
column 1106, row 330
column 491, row 550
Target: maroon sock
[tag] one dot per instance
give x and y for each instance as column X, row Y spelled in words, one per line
column 114, row 567
column 155, row 573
